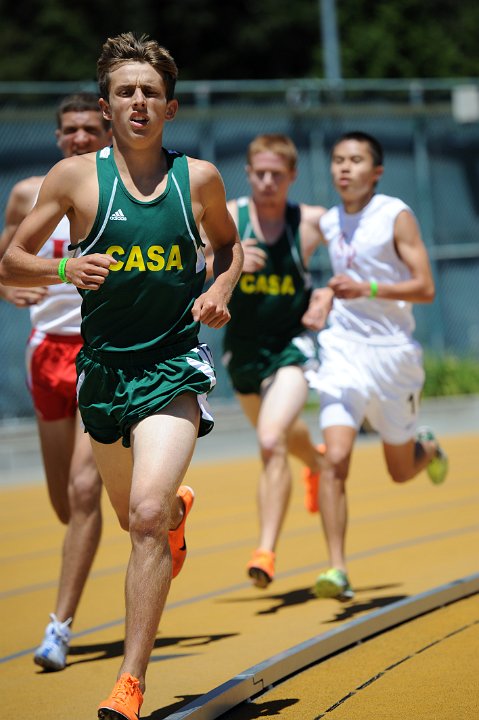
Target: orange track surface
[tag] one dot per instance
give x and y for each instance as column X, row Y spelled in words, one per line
column 402, row 541
column 425, row 669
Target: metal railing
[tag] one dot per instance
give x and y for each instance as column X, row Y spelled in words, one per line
column 429, row 130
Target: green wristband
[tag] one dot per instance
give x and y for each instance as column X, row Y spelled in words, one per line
column 373, row 288
column 61, row 270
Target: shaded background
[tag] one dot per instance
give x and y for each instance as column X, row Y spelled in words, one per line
column 313, row 72
column 246, row 39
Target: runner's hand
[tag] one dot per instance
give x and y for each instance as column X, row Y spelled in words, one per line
column 346, row 288
column 89, row 272
column 318, row 310
column 211, row 309
column 254, row 257
column 23, row 297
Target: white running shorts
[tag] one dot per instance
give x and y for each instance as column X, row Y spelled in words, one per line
column 382, row 384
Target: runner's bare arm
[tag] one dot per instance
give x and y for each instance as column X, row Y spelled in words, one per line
column 216, row 221
column 254, row 256
column 310, row 231
column 20, row 202
column 419, row 288
column 319, row 308
column 20, row 265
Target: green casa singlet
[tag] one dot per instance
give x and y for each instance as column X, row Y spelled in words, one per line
column 266, row 306
column 146, row 300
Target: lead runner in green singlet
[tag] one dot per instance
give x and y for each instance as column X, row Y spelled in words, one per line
column 134, row 215
column 141, row 318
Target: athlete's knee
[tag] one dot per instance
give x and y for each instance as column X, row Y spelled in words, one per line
column 149, row 518
column 84, row 491
column 272, row 441
column 337, row 460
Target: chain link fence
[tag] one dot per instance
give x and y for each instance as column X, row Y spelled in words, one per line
column 430, row 134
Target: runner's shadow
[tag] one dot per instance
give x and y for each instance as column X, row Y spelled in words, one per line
column 351, row 609
column 288, row 599
column 164, row 712
column 105, row 651
column 301, row 596
column 244, row 711
column 265, row 709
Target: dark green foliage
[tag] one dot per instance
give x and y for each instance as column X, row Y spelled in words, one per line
column 409, row 38
column 450, row 375
column 249, row 39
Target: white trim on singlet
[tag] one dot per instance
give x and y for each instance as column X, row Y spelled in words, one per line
column 247, row 230
column 297, row 259
column 243, row 202
column 200, row 257
column 107, row 215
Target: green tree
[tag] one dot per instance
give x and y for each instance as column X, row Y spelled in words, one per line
column 408, row 38
column 249, row 39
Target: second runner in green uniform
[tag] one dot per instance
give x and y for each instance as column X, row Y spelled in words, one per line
column 265, row 330
column 267, row 349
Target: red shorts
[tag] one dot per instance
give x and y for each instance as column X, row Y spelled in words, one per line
column 52, row 375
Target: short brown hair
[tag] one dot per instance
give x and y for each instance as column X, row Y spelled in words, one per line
column 127, row 47
column 276, row 143
column 80, row 102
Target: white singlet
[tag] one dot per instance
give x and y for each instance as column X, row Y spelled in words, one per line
column 371, row 367
column 361, row 245
column 59, row 312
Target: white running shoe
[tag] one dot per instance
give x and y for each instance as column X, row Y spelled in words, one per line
column 52, row 653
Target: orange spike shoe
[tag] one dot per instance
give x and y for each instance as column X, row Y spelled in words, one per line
column 311, row 485
column 125, row 700
column 177, row 536
column 261, row 568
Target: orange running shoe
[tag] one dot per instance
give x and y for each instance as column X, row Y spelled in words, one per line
column 125, row 700
column 177, row 537
column 311, row 485
column 261, row 567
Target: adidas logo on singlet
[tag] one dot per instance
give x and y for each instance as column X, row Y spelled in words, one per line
column 118, row 215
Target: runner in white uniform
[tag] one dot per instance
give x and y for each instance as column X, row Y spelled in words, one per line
column 73, row 481
column 371, row 367
column 55, row 340
column 59, row 312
